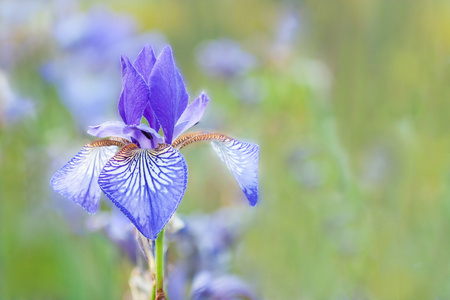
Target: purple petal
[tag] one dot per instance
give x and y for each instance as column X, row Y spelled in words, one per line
column 146, row 136
column 205, row 286
column 135, row 94
column 169, row 97
column 145, row 61
column 142, row 134
column 225, row 58
column 151, row 118
column 77, row 180
column 146, row 185
column 191, row 115
column 144, row 65
column 107, row 129
column 178, row 278
column 242, row 160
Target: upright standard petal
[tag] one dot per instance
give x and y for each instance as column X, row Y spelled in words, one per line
column 135, row 94
column 77, row 180
column 168, row 95
column 242, row 160
column 151, row 118
column 144, row 65
column 146, row 185
column 145, row 61
column 191, row 115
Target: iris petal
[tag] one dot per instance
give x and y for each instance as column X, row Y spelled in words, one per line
column 77, row 180
column 147, row 185
column 144, row 64
column 191, row 115
column 107, row 129
column 145, row 135
column 151, row 118
column 135, row 94
column 137, row 132
column 145, row 61
column 168, row 95
column 242, row 160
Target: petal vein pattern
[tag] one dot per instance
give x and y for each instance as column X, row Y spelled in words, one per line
column 242, row 160
column 146, row 185
column 77, row 180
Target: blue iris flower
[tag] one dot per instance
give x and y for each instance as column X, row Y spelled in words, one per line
column 141, row 172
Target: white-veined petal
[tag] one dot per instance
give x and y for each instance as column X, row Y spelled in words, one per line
column 147, row 185
column 242, row 160
column 77, row 180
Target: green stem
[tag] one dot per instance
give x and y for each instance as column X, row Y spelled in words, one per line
column 159, row 259
column 153, row 295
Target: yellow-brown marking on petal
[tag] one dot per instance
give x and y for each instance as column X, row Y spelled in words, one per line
column 184, row 138
column 111, row 142
column 122, row 140
column 193, row 137
column 131, row 147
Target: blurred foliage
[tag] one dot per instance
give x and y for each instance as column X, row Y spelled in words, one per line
column 354, row 141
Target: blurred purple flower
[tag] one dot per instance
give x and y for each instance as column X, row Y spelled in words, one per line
column 224, row 58
column 204, row 245
column 178, row 278
column 213, row 236
column 225, row 287
column 288, row 28
column 84, row 73
column 118, row 229
column 95, row 31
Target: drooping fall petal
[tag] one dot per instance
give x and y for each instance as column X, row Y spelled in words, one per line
column 242, row 160
column 77, row 180
column 146, row 185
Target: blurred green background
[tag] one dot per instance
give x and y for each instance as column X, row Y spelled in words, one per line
column 348, row 100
